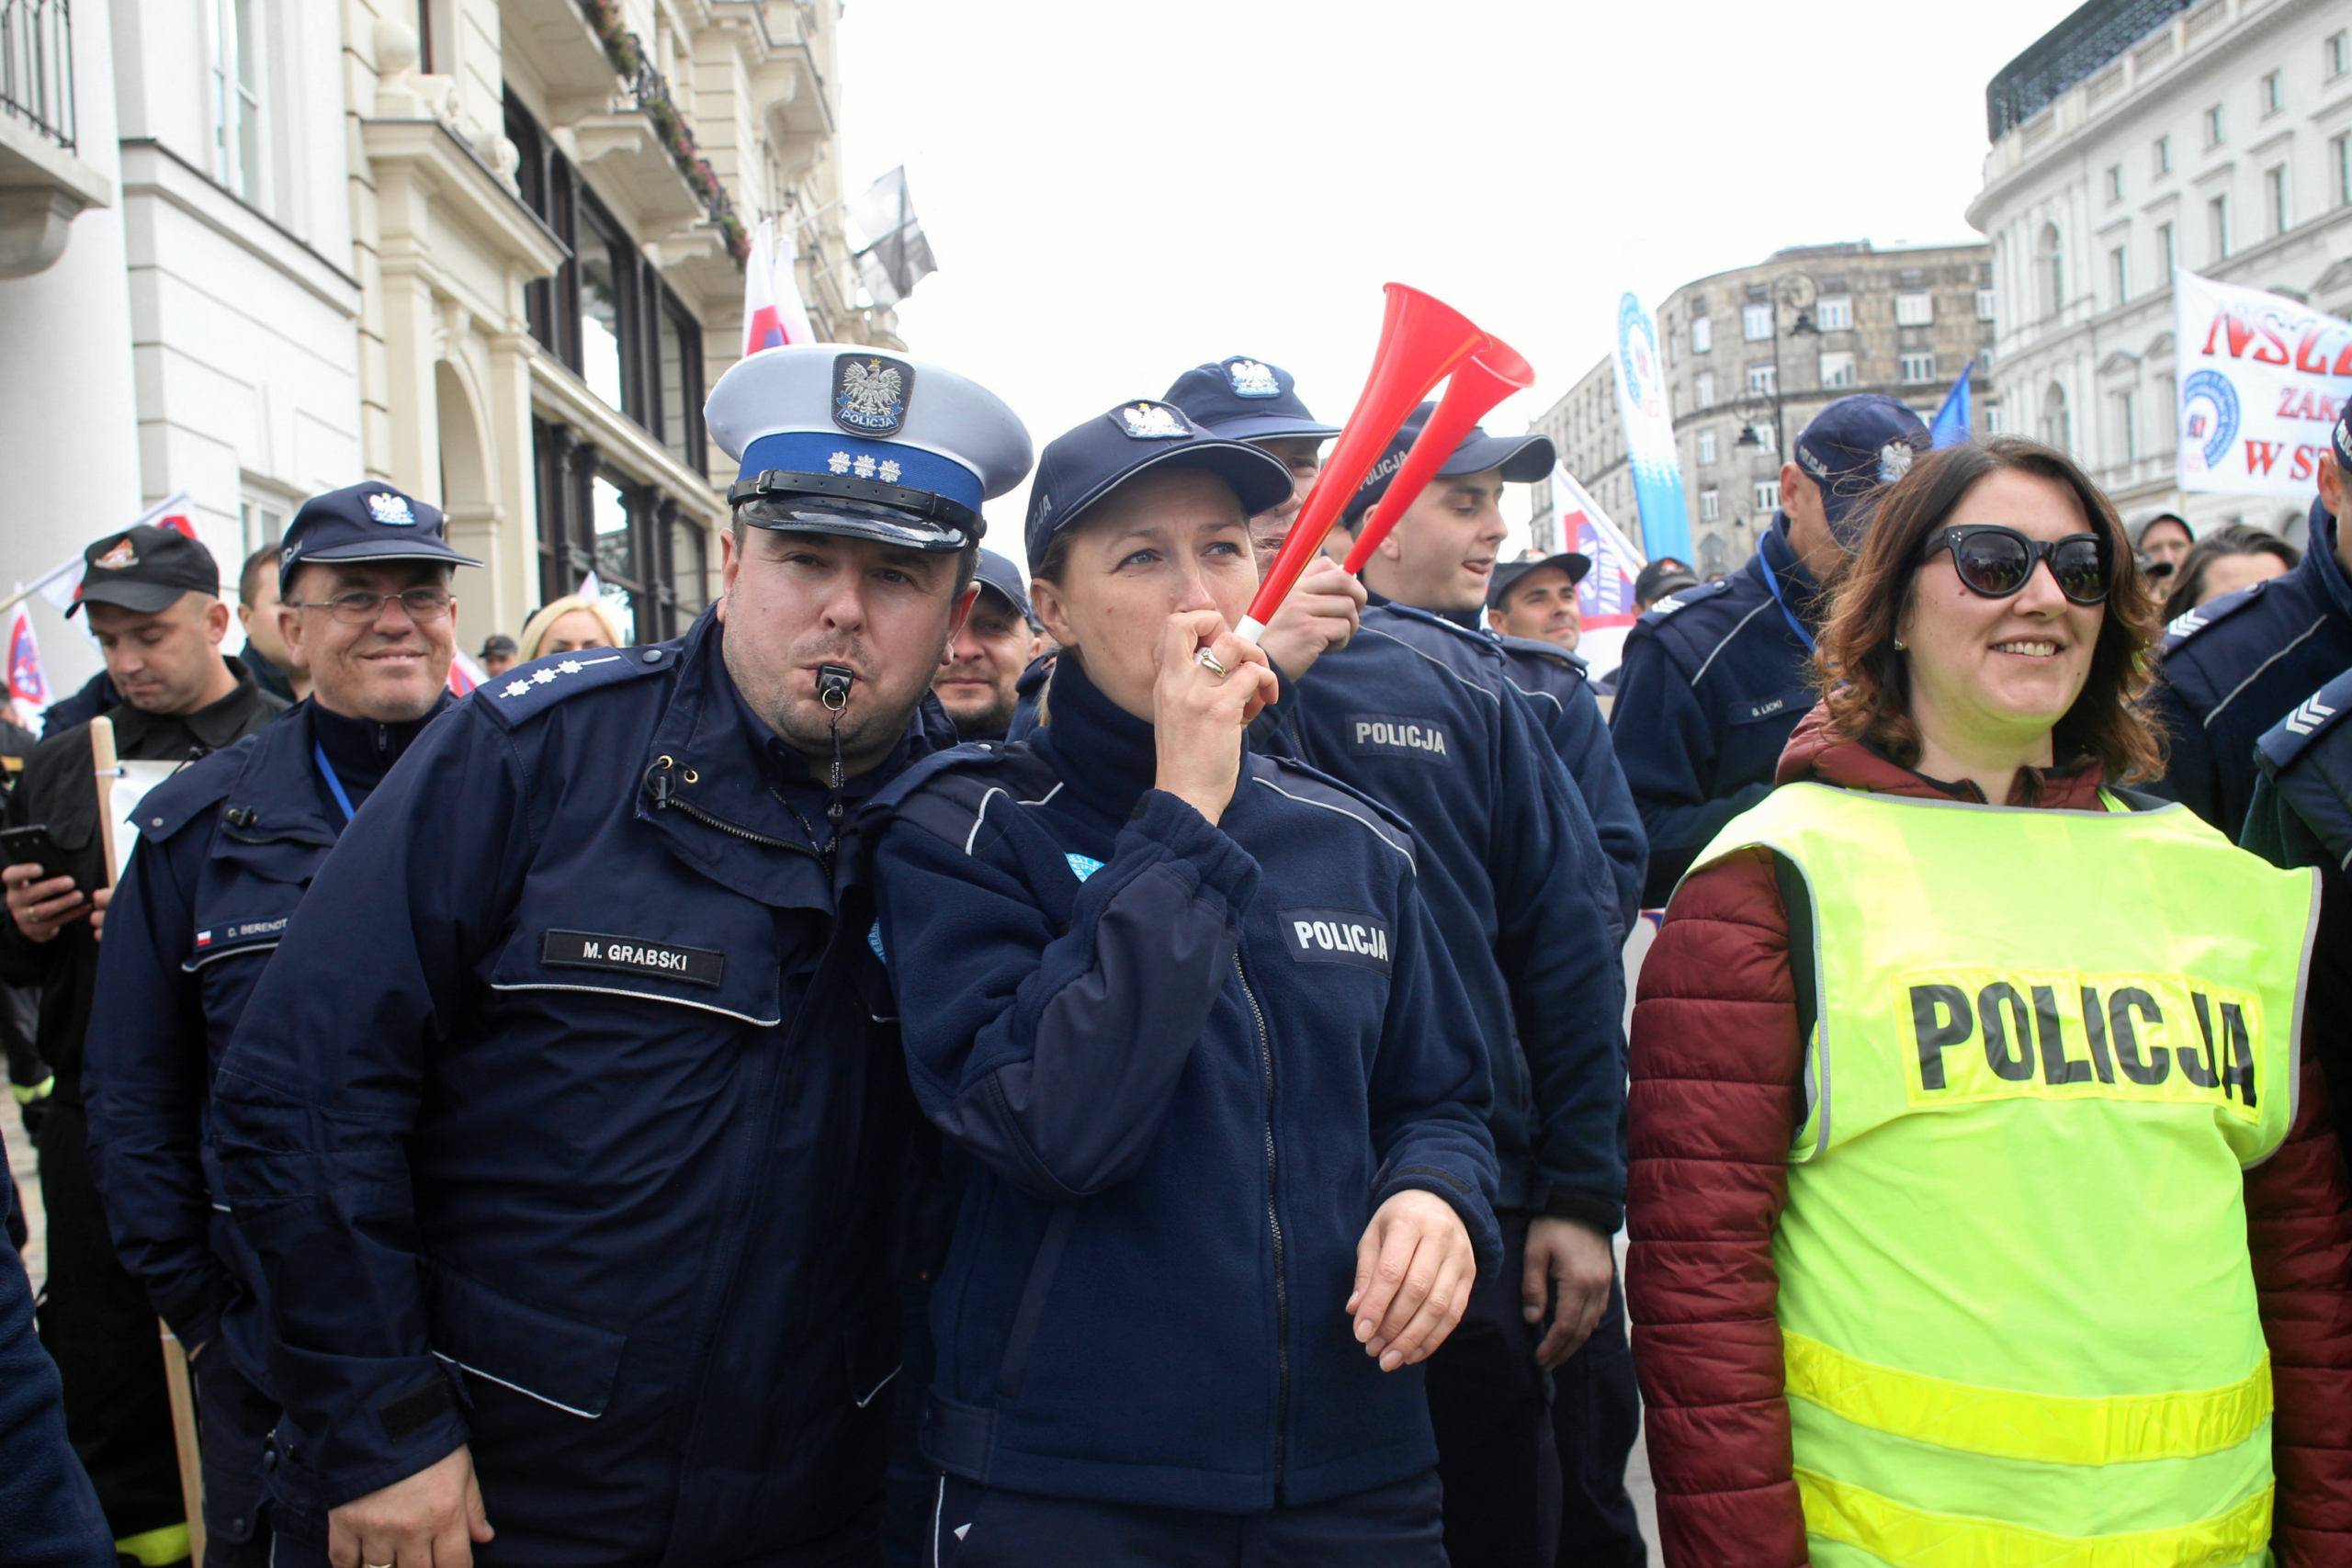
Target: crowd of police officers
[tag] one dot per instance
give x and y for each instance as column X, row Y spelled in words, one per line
column 501, row 1102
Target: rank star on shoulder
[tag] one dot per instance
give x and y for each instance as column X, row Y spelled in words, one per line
column 516, row 688
column 543, row 676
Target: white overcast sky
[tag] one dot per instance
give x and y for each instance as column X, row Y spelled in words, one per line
column 1117, row 191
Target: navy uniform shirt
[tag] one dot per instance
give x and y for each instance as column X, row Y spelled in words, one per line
column 1278, row 996
column 1554, row 682
column 1422, row 716
column 562, row 1124
column 48, row 1514
column 227, row 849
column 1714, row 682
column 2233, row 667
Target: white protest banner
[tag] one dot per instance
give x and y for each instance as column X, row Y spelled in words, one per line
column 2262, row 380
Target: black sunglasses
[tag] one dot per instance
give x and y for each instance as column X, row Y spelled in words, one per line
column 1997, row 562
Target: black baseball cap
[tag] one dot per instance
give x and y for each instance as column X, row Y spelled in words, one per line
column 145, row 568
column 1573, row 562
column 1854, row 445
column 1082, row 465
column 498, row 645
column 1661, row 577
column 1243, row 398
column 369, row 522
column 1003, row 578
column 1522, row 458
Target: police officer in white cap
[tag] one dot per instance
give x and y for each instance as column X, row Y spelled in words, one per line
column 560, row 1124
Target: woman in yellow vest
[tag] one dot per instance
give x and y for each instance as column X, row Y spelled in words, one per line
column 1984, row 1209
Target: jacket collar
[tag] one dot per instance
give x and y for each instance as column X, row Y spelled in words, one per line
column 214, row 725
column 1818, row 753
column 2324, row 568
column 1106, row 755
column 1798, row 589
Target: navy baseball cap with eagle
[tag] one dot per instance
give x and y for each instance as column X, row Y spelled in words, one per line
column 833, row 438
column 1003, row 579
column 1241, row 399
column 368, row 522
column 1854, row 445
column 1506, row 576
column 1522, row 458
column 1082, row 465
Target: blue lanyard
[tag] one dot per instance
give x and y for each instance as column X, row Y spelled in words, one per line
column 334, row 785
column 1774, row 583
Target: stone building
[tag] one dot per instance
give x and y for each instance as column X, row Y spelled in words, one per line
column 2136, row 137
column 488, row 250
column 1753, row 354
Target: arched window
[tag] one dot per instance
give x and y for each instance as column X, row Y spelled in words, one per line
column 2050, row 271
column 2057, row 427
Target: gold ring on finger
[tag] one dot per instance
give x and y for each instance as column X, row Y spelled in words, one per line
column 1210, row 662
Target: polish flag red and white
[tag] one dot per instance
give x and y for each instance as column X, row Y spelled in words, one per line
column 774, row 314
column 1605, row 597
column 465, row 674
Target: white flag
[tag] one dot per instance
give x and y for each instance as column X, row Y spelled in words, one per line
column 773, row 312
column 2262, row 380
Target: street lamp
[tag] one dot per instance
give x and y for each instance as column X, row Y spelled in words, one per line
column 1797, row 291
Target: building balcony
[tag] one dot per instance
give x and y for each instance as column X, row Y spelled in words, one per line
column 44, row 185
column 558, row 39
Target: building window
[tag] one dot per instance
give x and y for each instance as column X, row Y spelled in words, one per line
column 1837, row 368
column 606, row 313
column 2341, row 149
column 2049, row 275
column 1835, row 314
column 1761, row 380
column 2213, row 126
column 618, row 549
column 2168, row 389
column 1706, row 448
column 2274, row 93
column 1703, row 335
column 1764, row 437
column 2114, row 184
column 2336, row 54
column 1765, row 494
column 2127, row 426
column 1702, row 391
column 2057, row 427
column 237, row 141
column 1915, row 309
column 1710, row 505
column 2165, row 262
column 1983, row 304
column 1756, row 323
column 2273, row 186
column 2119, row 271
column 2162, row 161
column 1918, row 368
column 261, row 520
column 1989, row 414
column 2217, row 227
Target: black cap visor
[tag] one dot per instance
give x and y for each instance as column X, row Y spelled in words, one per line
column 1270, row 427
column 1259, row 478
column 145, row 598
column 371, row 550
column 1522, row 458
column 1576, row 564
column 845, row 518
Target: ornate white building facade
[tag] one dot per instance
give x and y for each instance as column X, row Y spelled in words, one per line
column 489, row 250
column 2138, row 137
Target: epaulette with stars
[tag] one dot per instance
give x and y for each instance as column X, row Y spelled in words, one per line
column 530, row 688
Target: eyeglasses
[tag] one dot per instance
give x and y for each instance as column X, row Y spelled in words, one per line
column 359, row 607
column 1997, row 562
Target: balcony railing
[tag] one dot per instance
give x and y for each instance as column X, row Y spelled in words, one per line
column 37, row 66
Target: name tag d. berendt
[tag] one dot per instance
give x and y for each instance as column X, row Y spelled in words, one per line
column 632, row 955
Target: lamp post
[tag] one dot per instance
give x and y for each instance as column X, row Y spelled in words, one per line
column 1796, row 291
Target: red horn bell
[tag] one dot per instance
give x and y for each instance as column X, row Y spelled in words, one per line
column 1422, row 342
column 1492, row 374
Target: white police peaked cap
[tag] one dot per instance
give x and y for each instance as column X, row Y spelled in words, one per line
column 837, row 439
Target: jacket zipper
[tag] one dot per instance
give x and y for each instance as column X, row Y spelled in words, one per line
column 1275, row 1225
column 666, row 798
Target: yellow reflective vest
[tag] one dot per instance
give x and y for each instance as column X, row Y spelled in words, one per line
column 2015, row 1298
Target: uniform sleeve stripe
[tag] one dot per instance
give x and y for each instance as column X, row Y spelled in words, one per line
column 2256, row 673
column 1343, row 811
column 1375, row 631
column 1735, row 631
column 980, row 815
column 1531, row 696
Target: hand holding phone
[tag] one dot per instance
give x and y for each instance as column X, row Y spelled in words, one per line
column 42, row 898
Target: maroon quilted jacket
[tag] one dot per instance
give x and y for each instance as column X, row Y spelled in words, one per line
column 1714, row 1104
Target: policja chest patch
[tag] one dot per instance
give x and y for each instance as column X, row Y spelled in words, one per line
column 1336, row 936
column 632, row 955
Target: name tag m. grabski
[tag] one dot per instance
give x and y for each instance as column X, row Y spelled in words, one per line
column 632, row 955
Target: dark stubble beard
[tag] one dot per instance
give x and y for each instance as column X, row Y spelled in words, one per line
column 869, row 727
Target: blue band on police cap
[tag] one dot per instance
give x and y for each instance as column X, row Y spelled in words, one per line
column 845, row 457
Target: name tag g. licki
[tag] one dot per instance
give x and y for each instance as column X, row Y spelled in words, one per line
column 1983, row 1034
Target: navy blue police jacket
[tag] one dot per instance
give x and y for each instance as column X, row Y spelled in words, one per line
column 1556, row 683
column 48, row 1514
column 1710, row 691
column 1421, row 717
column 2233, row 667
column 1187, row 1061
column 228, row 847
column 561, row 1125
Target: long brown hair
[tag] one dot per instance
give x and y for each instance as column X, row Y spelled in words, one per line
column 1866, row 683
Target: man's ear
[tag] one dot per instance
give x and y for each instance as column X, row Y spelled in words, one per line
column 730, row 565
column 1495, row 622
column 216, row 622
column 962, row 610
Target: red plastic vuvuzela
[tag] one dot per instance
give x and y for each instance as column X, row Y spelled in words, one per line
column 1492, row 374
column 1421, row 341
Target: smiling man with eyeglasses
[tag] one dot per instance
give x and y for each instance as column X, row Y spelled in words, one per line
column 230, row 846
